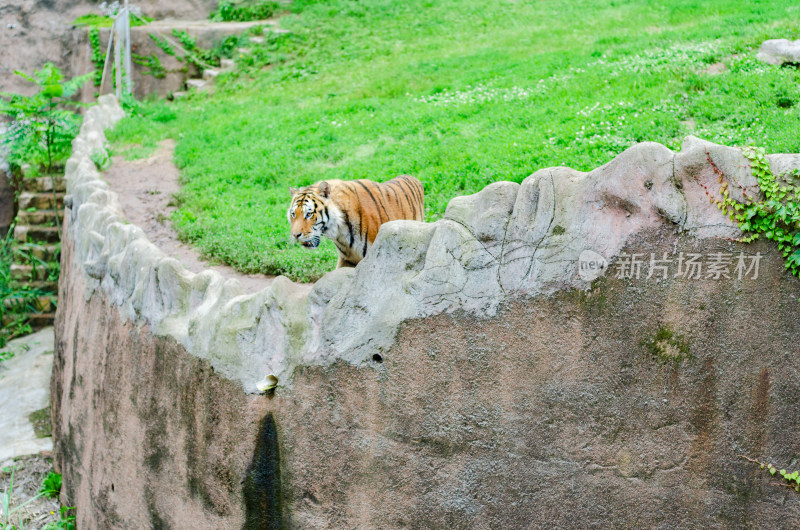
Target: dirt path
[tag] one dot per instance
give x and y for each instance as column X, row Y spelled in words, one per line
column 145, row 188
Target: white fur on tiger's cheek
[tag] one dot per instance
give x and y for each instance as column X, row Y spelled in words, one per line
column 334, row 221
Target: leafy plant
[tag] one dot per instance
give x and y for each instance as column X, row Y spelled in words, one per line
column 66, row 520
column 43, row 127
column 51, row 485
column 17, row 302
column 200, row 57
column 791, row 479
column 228, row 11
column 7, row 517
column 162, row 43
column 776, row 216
column 98, row 57
column 151, row 63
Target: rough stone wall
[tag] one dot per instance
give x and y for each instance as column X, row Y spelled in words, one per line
column 147, row 436
column 466, row 374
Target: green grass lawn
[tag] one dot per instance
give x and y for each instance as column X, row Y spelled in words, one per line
column 460, row 94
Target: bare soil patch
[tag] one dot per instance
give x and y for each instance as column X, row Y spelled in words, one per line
column 145, row 188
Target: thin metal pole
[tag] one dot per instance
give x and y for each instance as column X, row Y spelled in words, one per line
column 117, row 57
column 108, row 58
column 127, row 23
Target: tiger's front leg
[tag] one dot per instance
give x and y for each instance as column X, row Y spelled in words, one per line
column 344, row 262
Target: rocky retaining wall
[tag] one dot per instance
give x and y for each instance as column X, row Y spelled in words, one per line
column 547, row 354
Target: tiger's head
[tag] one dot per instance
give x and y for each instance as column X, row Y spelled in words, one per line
column 308, row 213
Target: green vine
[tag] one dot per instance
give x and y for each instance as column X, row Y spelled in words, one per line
column 151, row 63
column 790, row 480
column 162, row 43
column 98, row 57
column 776, row 216
column 200, row 57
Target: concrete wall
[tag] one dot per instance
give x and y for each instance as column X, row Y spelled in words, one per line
column 469, row 373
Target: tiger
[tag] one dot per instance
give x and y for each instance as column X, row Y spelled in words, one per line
column 350, row 212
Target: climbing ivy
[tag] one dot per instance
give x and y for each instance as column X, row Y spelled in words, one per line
column 776, row 216
column 790, row 479
column 162, row 43
column 98, row 57
column 151, row 63
column 200, row 57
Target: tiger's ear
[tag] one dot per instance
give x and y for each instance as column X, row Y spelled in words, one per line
column 293, row 191
column 324, row 189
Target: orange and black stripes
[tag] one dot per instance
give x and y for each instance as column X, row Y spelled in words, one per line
column 351, row 212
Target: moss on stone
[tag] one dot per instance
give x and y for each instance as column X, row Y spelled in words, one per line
column 40, row 419
column 667, row 346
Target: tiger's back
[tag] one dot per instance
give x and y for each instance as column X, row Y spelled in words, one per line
column 365, row 205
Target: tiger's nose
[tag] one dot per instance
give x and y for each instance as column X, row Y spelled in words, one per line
column 297, row 235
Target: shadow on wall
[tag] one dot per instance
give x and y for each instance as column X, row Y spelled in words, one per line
column 263, row 497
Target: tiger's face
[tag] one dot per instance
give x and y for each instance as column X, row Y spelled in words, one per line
column 308, row 216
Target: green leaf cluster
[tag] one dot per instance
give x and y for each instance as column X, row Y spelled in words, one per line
column 51, row 486
column 228, row 11
column 45, row 123
column 792, row 478
column 98, row 57
column 776, row 215
column 200, row 57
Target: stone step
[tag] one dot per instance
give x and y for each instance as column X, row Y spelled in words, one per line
column 46, row 252
column 40, row 201
column 42, row 184
column 41, row 285
column 36, row 233
column 181, row 94
column 244, row 51
column 41, row 320
column 210, row 74
column 38, row 217
column 199, row 84
column 255, row 39
column 23, row 273
column 39, row 304
column 36, row 320
column 227, row 64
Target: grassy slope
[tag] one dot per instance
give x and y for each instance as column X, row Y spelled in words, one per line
column 460, row 94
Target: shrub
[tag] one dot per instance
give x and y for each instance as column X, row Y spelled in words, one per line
column 44, row 123
column 228, row 11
